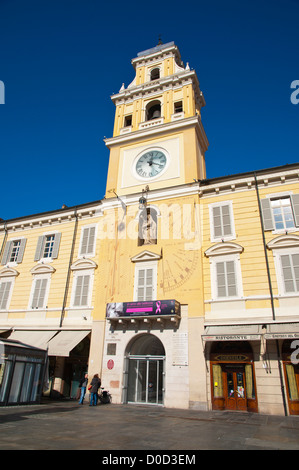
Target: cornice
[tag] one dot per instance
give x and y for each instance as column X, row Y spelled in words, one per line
column 213, row 187
column 156, row 130
column 157, row 86
column 47, row 219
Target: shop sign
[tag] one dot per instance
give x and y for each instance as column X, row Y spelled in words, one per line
column 282, row 336
column 232, row 357
column 231, row 337
column 110, row 364
column 142, row 309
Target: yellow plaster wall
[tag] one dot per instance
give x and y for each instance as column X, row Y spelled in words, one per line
column 117, row 270
column 23, row 282
column 249, row 236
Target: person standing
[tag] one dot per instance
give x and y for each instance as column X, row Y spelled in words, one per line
column 95, row 385
column 83, row 385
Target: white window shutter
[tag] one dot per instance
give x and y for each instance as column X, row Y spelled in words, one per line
column 21, row 251
column 295, row 204
column 267, row 214
column 84, row 242
column 81, row 291
column 217, row 222
column 39, row 293
column 221, row 285
column 88, row 239
column 56, row 245
column 226, row 220
column 39, row 248
column 6, row 254
column 4, row 293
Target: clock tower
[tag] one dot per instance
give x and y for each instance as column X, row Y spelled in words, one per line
column 158, row 138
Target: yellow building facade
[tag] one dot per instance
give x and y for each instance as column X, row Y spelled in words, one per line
column 179, row 290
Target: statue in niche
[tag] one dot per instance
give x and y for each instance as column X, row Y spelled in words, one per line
column 147, row 227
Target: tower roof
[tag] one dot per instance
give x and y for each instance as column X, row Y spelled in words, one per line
column 157, row 48
column 152, row 53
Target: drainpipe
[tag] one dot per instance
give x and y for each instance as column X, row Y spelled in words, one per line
column 271, row 296
column 69, row 271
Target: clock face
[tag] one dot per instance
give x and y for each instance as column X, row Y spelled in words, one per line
column 150, row 164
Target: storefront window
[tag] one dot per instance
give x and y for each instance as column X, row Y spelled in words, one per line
column 217, row 381
column 250, row 389
column 293, row 390
column 16, row 382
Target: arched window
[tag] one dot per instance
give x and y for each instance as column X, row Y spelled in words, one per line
column 155, row 74
column 153, row 110
column 147, row 227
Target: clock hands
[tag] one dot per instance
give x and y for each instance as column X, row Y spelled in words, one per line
column 154, row 163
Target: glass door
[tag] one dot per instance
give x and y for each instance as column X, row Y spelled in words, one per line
column 235, row 387
column 145, row 380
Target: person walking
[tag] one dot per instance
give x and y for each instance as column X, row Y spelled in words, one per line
column 95, row 385
column 83, row 385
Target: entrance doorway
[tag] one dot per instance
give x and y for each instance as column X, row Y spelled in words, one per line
column 234, row 385
column 291, row 372
column 144, row 371
column 232, row 377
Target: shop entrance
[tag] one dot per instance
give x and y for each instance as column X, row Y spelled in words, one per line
column 291, row 372
column 144, row 371
column 232, row 377
column 234, row 385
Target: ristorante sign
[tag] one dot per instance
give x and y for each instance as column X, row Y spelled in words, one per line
column 143, row 309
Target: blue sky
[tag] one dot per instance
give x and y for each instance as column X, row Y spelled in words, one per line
column 61, row 60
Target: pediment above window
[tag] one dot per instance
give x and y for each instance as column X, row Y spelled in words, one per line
column 83, row 263
column 284, row 241
column 224, row 248
column 43, row 269
column 146, row 256
column 9, row 272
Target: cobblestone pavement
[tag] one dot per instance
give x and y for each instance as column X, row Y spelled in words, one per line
column 66, row 425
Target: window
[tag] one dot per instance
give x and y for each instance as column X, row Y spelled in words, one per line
column 40, row 286
column 153, row 110
column 145, row 284
column 290, row 272
column 226, row 276
column 286, row 258
column 281, row 213
column 155, row 74
column 128, row 121
column 178, row 107
column 87, row 245
column 39, row 293
column 81, row 291
column 7, row 280
column 83, row 270
column 226, row 279
column 47, row 246
column 221, row 221
column 14, row 251
column 5, row 290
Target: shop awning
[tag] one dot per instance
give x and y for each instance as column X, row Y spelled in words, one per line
column 36, row 338
column 282, row 331
column 232, row 333
column 65, row 341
